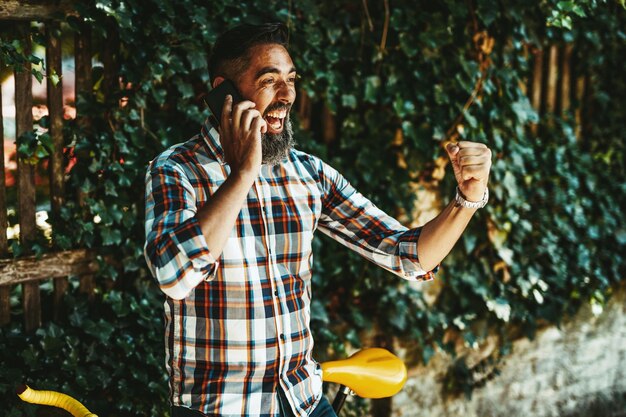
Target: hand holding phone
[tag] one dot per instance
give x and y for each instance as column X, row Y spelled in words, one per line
column 241, row 127
column 215, row 98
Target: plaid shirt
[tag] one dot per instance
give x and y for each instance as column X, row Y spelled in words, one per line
column 237, row 327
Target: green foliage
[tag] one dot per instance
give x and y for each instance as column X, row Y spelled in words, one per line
column 551, row 239
column 106, row 353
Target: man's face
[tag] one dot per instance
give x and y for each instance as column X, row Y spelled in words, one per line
column 270, row 82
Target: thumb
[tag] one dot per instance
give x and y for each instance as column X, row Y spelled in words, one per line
column 452, row 149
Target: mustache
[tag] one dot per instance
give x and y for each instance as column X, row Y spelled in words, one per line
column 277, row 106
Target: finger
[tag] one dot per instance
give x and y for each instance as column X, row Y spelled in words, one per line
column 474, row 151
column 452, row 150
column 473, row 160
column 259, row 124
column 477, row 172
column 467, row 144
column 246, row 118
column 237, row 112
column 227, row 110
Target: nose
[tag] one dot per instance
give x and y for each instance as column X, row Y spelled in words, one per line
column 285, row 92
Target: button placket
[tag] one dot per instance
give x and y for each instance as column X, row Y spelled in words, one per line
column 262, row 190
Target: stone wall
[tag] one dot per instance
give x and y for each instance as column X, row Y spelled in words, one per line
column 575, row 370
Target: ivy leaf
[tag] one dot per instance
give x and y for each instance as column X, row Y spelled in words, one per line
column 372, row 84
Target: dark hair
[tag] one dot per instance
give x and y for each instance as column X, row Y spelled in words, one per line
column 229, row 56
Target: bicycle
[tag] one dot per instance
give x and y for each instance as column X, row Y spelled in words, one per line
column 369, row 373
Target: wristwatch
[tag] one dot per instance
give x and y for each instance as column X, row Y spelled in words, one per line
column 460, row 201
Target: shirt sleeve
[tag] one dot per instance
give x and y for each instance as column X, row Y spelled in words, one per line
column 175, row 250
column 351, row 219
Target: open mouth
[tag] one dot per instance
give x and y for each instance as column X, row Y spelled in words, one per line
column 275, row 120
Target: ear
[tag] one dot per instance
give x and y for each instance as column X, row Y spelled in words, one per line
column 217, row 81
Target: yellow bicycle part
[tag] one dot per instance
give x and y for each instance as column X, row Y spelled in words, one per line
column 54, row 399
column 370, row 373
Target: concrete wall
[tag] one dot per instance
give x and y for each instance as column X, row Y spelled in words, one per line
column 560, row 373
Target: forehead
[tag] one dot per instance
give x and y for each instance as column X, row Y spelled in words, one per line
column 268, row 55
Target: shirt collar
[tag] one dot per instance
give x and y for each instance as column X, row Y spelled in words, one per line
column 212, row 138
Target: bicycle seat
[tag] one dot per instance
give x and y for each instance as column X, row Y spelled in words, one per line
column 54, row 399
column 370, row 373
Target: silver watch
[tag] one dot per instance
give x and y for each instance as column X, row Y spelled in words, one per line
column 460, row 201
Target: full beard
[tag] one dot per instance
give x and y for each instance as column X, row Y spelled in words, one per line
column 275, row 146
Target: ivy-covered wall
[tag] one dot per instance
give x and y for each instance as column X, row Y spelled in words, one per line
column 395, row 75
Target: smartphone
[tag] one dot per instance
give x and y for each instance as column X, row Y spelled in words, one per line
column 215, row 98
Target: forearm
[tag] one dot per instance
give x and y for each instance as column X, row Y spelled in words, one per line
column 217, row 217
column 439, row 235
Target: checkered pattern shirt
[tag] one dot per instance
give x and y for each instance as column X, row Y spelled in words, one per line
column 237, row 326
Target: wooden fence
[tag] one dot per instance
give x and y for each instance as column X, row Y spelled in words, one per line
column 555, row 88
column 29, row 271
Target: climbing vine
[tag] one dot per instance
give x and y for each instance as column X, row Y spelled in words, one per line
column 399, row 79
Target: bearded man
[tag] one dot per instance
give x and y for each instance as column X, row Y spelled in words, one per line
column 230, row 216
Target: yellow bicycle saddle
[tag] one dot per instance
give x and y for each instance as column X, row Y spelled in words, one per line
column 370, row 373
column 54, row 399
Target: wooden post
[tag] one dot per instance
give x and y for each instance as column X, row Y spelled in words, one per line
column 26, row 176
column 566, row 78
column 82, row 55
column 5, row 290
column 84, row 86
column 28, row 10
column 304, row 109
column 329, row 128
column 580, row 93
column 587, row 109
column 57, row 170
column 553, row 74
column 536, row 85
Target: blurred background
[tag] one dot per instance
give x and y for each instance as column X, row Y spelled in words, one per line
column 527, row 314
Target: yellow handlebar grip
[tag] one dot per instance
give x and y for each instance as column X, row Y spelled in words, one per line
column 54, row 399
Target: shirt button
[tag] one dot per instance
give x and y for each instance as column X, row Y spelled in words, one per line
column 282, row 337
column 276, row 293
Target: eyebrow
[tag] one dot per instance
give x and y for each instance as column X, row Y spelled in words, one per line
column 273, row 70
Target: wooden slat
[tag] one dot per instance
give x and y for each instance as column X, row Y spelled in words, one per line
column 60, row 288
column 329, row 128
column 26, row 177
column 5, row 292
column 537, row 76
column 34, row 9
column 57, row 168
column 5, row 305
column 87, row 285
column 51, row 265
column 553, row 74
column 587, row 108
column 304, row 110
column 82, row 54
column 580, row 93
column 566, row 78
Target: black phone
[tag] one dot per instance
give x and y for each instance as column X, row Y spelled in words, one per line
column 215, row 98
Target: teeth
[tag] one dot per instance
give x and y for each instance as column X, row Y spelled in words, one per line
column 278, row 114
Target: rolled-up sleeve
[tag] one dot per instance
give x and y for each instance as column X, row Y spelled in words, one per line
column 353, row 220
column 175, row 249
